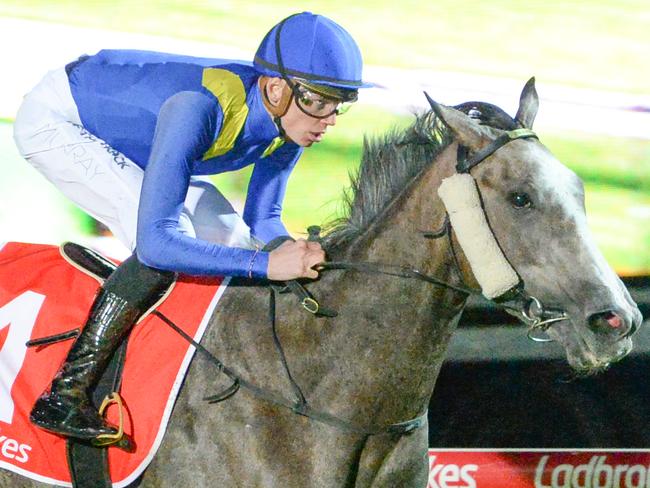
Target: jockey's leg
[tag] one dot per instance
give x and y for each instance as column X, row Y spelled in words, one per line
column 102, row 181
column 211, row 216
column 98, row 178
column 127, row 295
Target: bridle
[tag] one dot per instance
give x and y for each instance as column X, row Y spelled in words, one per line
column 527, row 308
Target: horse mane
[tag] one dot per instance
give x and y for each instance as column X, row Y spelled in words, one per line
column 390, row 161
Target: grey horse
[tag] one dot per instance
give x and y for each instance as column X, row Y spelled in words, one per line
column 375, row 364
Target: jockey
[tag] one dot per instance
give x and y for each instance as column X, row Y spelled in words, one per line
column 130, row 136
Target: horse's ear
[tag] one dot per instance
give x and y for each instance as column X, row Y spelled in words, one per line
column 466, row 129
column 528, row 105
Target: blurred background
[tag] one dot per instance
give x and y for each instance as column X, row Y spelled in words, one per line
column 590, row 60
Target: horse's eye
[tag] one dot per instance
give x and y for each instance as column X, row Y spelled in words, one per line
column 520, row 200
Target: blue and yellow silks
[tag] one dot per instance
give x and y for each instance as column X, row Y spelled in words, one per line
column 176, row 117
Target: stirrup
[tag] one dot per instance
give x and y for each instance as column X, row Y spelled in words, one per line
column 119, row 439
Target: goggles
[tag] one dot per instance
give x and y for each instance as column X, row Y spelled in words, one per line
column 321, row 102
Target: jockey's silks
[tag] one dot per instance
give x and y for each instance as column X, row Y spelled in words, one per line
column 177, row 117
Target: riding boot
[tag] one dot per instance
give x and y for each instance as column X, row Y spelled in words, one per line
column 129, row 292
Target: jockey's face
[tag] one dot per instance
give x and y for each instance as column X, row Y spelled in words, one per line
column 300, row 127
column 304, row 129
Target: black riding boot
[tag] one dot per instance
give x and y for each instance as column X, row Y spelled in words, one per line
column 130, row 291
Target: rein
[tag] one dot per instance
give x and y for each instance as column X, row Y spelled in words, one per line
column 527, row 308
column 300, row 406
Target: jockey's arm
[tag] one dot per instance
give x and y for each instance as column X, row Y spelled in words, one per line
column 263, row 209
column 187, row 123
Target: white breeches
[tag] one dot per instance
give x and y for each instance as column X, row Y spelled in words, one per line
column 102, row 181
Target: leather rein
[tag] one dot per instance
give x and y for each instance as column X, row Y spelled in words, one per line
column 516, row 301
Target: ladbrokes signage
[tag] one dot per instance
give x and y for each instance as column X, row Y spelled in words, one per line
column 538, row 469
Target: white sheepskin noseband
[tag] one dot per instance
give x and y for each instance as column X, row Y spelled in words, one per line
column 490, row 267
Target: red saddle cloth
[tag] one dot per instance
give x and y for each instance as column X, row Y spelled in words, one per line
column 41, row 294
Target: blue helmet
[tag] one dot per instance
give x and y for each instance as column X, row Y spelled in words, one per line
column 312, row 48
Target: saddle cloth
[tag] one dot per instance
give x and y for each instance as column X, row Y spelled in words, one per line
column 41, row 294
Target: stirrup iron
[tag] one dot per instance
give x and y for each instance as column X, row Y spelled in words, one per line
column 119, row 439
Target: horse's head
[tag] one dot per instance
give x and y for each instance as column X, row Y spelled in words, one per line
column 535, row 207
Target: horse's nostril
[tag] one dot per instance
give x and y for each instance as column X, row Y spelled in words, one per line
column 613, row 320
column 607, row 322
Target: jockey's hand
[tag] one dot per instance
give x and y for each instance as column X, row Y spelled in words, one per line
column 295, row 259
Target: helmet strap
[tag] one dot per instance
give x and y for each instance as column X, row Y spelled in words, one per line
column 278, row 123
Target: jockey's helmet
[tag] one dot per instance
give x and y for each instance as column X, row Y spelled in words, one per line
column 318, row 59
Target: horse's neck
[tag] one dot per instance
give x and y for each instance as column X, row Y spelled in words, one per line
column 398, row 327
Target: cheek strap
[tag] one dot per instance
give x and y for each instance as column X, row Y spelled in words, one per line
column 490, row 267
